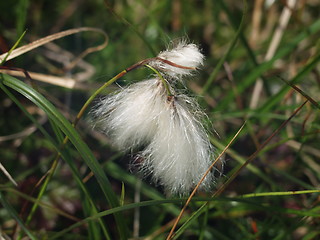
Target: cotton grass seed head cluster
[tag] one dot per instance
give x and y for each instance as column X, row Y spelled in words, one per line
column 176, row 151
column 187, row 58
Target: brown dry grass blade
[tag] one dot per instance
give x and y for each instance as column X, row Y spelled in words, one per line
column 301, row 92
column 58, row 81
column 199, row 183
column 26, row 48
column 249, row 160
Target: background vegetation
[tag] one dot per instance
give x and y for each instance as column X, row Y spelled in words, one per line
column 249, row 52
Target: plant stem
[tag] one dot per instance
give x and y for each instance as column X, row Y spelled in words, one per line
column 164, row 82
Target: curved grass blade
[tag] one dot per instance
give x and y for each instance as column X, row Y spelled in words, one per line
column 26, row 48
column 64, row 154
column 254, row 206
column 75, row 139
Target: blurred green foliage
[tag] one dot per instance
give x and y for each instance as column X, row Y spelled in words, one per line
column 139, row 29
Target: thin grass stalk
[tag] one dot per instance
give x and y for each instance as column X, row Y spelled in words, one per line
column 317, row 105
column 204, row 224
column 233, row 176
column 164, row 82
column 171, row 234
column 13, row 47
column 253, row 156
column 42, row 191
column 288, row 193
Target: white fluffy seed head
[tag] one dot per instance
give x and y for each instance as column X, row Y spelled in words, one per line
column 129, row 117
column 187, row 56
column 180, row 152
column 177, row 151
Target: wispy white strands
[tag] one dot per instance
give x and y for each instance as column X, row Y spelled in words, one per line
column 187, row 56
column 177, row 151
column 180, row 152
column 129, row 117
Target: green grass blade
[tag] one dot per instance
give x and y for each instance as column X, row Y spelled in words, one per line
column 204, row 224
column 265, row 194
column 14, row 214
column 93, row 228
column 64, row 154
column 241, row 160
column 252, row 205
column 13, row 47
column 21, row 8
column 75, row 139
column 87, row 203
column 116, row 210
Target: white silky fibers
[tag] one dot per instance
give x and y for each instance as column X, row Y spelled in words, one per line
column 176, row 148
column 186, row 55
column 180, row 152
column 129, row 117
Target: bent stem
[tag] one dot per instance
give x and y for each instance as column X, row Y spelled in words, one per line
column 164, row 81
column 54, row 165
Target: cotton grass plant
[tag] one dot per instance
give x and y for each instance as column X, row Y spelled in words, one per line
column 154, row 115
column 272, row 178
